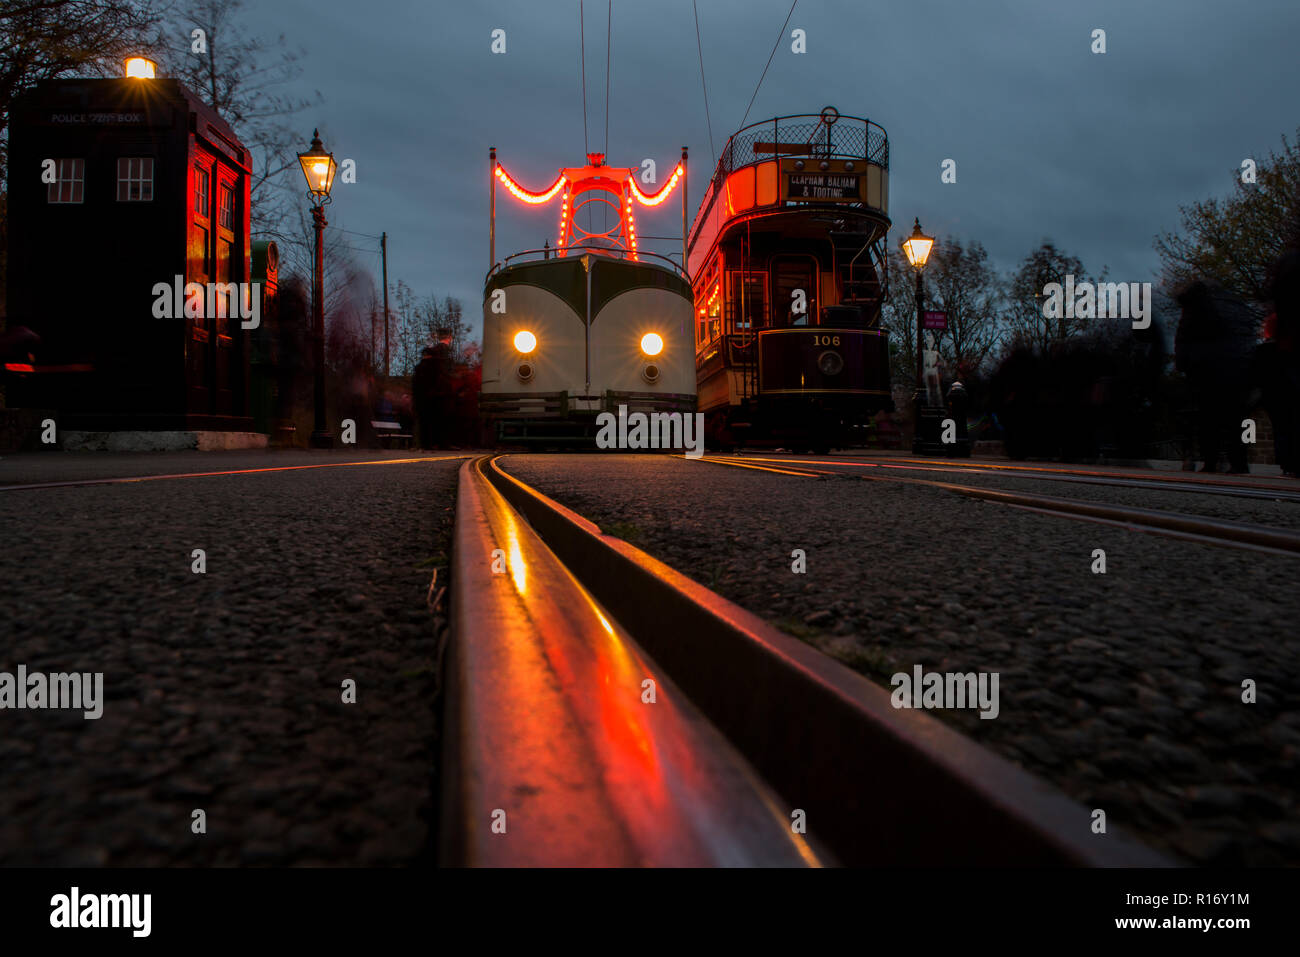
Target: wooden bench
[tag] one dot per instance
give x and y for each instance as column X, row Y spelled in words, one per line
column 391, row 434
column 283, row 436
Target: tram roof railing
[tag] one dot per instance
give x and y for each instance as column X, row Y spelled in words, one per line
column 800, row 134
column 805, row 134
column 608, row 252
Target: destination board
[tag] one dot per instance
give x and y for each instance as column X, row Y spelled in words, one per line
column 823, row 186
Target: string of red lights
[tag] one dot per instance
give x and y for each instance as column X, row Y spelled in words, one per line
column 620, row 181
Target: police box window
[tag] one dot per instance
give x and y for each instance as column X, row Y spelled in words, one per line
column 202, row 184
column 70, row 185
column 227, row 210
column 135, row 179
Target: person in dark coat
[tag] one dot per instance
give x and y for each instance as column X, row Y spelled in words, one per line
column 425, row 387
column 1213, row 349
column 1279, row 361
column 431, row 389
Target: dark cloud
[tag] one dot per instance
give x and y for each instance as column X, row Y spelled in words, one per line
column 1051, row 140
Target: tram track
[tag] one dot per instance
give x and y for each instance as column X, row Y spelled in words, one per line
column 549, row 732
column 1197, row 528
column 1244, row 487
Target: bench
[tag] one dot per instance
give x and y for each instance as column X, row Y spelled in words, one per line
column 391, row 434
column 283, row 436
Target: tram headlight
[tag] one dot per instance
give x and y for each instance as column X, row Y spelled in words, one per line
column 525, row 341
column 652, row 344
column 831, row 363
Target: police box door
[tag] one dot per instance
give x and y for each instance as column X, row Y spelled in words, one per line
column 198, row 345
column 229, row 258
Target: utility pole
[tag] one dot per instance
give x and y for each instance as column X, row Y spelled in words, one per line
column 383, row 245
column 684, row 270
column 492, row 211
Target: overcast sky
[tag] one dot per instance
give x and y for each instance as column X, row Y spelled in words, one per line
column 1051, row 140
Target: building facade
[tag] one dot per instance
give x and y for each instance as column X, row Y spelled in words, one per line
column 119, row 189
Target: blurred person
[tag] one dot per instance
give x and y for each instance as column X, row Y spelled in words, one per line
column 432, row 391
column 1213, row 348
column 424, row 395
column 1279, row 361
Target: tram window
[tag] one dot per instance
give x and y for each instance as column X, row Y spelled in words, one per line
column 748, row 299
column 789, row 277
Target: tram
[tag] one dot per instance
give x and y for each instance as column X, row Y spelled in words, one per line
column 788, row 265
column 590, row 325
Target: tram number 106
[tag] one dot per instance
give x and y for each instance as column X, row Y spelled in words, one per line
column 826, row 340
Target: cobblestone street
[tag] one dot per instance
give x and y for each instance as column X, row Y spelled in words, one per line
column 224, row 689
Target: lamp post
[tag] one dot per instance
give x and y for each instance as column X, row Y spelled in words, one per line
column 917, row 249
column 318, row 167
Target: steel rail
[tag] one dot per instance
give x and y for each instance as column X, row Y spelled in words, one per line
column 1238, row 489
column 552, row 754
column 1176, row 524
column 129, row 479
column 880, row 786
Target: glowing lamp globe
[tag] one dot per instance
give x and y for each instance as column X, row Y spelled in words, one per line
column 917, row 246
column 140, row 68
column 318, row 167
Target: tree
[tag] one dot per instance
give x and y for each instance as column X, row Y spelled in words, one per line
column 958, row 280
column 415, row 323
column 1234, row 241
column 47, row 39
column 243, row 77
column 968, row 289
column 898, row 318
column 1026, row 324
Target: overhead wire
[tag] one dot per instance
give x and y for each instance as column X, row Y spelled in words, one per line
column 780, row 36
column 609, row 36
column 700, row 46
column 582, row 39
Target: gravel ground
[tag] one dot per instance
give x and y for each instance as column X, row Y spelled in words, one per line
column 1123, row 689
column 223, row 690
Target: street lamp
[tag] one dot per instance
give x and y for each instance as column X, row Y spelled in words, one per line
column 318, row 167
column 917, row 249
column 139, row 67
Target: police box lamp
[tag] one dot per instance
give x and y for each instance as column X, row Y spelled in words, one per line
column 140, row 67
column 318, row 166
column 917, row 246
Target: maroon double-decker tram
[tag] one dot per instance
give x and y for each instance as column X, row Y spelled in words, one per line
column 787, row 262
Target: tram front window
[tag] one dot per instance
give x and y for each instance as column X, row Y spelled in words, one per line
column 748, row 303
column 794, row 291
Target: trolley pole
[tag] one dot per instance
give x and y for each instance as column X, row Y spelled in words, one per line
column 492, row 210
column 684, row 270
